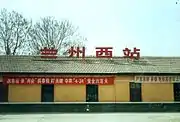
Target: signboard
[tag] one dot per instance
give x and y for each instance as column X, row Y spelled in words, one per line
column 157, row 79
column 48, row 53
column 105, row 52
column 133, row 55
column 101, row 52
column 76, row 51
column 58, row 80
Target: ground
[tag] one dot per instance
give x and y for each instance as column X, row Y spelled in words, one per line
column 111, row 117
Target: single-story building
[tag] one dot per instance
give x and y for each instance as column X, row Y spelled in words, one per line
column 27, row 79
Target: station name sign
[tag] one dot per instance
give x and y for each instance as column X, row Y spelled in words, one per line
column 59, row 80
column 101, row 52
column 157, row 79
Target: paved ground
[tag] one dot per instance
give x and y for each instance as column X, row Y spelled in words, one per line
column 121, row 117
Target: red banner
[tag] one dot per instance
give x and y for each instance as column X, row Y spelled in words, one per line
column 58, row 80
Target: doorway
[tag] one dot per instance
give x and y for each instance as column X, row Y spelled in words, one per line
column 47, row 93
column 135, row 92
column 91, row 93
column 176, row 91
column 3, row 92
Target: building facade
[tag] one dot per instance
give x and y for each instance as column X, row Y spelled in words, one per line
column 33, row 79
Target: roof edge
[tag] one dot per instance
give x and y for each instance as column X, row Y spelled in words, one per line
column 89, row 56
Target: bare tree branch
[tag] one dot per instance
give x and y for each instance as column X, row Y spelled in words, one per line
column 52, row 33
column 13, row 31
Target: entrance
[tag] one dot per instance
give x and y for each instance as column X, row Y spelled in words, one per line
column 3, row 92
column 91, row 93
column 47, row 93
column 176, row 91
column 135, row 92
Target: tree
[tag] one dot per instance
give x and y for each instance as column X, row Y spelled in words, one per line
column 50, row 32
column 14, row 30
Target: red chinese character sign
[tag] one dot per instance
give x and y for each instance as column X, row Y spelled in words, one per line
column 104, row 52
column 101, row 52
column 48, row 53
column 133, row 55
column 99, row 80
column 76, row 52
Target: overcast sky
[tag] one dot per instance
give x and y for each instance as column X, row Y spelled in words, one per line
column 151, row 25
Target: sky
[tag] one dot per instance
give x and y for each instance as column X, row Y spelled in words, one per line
column 150, row 25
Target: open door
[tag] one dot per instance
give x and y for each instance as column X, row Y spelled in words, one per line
column 3, row 92
column 135, row 92
column 91, row 93
column 47, row 93
column 177, row 92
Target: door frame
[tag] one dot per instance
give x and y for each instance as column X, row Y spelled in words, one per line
column 176, row 98
column 45, row 90
column 94, row 94
column 135, row 88
column 5, row 90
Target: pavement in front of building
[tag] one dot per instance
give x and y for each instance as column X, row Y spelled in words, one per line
column 109, row 117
